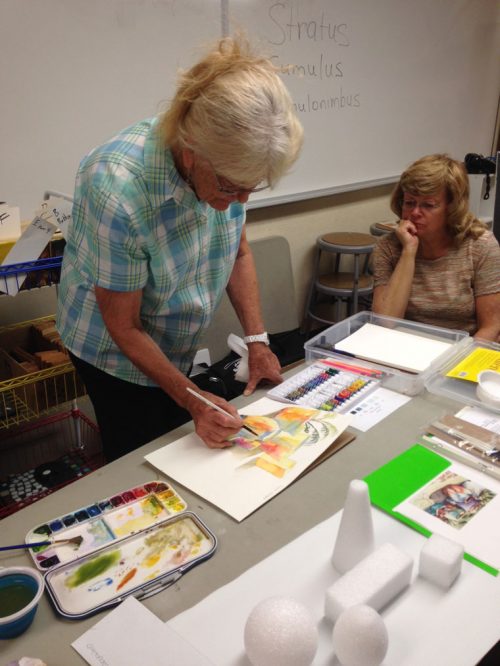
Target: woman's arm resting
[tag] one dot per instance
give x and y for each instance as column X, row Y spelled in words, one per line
column 391, row 299
column 488, row 317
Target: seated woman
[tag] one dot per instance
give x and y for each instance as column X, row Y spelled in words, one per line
column 441, row 265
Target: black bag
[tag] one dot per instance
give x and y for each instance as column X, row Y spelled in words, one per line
column 477, row 164
column 219, row 377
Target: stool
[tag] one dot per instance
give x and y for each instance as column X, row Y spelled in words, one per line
column 382, row 228
column 338, row 286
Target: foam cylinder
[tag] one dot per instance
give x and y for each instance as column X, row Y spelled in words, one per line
column 355, row 538
column 374, row 581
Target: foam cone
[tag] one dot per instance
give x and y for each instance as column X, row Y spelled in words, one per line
column 355, row 538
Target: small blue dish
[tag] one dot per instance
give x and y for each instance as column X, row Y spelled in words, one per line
column 26, row 585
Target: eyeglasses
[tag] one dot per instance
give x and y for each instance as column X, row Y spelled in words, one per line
column 426, row 206
column 233, row 190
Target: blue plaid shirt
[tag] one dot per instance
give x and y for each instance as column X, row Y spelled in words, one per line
column 137, row 225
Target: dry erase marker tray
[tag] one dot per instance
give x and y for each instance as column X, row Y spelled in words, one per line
column 141, row 564
column 408, row 383
column 104, row 522
column 328, row 385
column 456, row 377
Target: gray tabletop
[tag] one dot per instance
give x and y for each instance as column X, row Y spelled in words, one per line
column 305, row 503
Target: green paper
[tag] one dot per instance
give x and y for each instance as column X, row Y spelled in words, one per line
column 402, row 476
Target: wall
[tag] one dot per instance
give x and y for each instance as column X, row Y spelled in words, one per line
column 303, row 221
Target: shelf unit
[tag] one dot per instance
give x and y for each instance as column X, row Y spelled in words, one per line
column 41, row 428
column 35, row 394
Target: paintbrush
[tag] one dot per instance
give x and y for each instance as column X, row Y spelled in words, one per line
column 73, row 541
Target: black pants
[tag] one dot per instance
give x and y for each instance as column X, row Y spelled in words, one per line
column 128, row 415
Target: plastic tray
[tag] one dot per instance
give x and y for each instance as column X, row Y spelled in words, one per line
column 461, row 390
column 141, row 564
column 30, row 274
column 322, row 346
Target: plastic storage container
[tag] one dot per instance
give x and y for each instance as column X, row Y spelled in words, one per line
column 461, row 389
column 322, row 345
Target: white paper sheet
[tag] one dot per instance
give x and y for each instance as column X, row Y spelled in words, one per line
column 376, row 407
column 130, row 635
column 426, row 625
column 219, row 476
column 393, row 348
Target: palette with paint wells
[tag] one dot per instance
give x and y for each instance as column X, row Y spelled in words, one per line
column 141, row 564
column 103, row 522
column 328, row 385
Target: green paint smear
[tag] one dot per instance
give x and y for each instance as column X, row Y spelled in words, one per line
column 93, row 568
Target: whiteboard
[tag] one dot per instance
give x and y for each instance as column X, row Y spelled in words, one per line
column 417, row 76
column 75, row 72
column 378, row 83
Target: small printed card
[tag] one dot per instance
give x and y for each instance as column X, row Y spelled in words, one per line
column 60, row 211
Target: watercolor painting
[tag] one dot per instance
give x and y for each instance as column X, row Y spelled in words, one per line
column 241, row 478
column 83, row 585
column 280, row 435
column 453, row 499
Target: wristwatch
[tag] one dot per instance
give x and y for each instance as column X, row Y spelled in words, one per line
column 261, row 337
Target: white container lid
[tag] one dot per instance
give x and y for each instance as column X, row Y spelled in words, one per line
column 488, row 388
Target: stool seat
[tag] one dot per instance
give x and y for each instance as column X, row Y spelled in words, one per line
column 343, row 281
column 348, row 241
column 339, row 286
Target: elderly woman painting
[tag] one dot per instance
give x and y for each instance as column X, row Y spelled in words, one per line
column 157, row 236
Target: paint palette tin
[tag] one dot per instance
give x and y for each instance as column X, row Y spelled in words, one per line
column 140, row 564
column 104, row 522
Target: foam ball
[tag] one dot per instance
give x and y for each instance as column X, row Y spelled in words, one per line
column 280, row 631
column 360, row 637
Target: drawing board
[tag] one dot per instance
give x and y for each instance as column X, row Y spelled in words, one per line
column 241, row 478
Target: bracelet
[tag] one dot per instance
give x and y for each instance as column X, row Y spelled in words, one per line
column 261, row 337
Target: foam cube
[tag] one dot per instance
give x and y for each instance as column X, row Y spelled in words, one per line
column 440, row 560
column 374, row 581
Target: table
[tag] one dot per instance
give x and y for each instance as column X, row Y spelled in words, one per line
column 307, row 502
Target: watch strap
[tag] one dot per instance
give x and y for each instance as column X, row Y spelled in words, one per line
column 261, row 337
